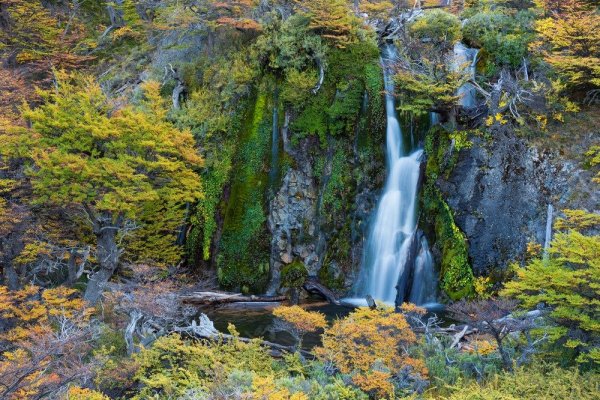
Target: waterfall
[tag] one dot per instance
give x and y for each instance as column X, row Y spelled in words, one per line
column 389, row 265
column 423, row 292
column 465, row 61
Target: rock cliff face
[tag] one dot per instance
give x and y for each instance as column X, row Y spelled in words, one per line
column 312, row 222
column 499, row 191
column 293, row 224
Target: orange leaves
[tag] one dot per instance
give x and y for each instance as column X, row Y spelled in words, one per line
column 33, row 309
column 367, row 340
column 47, row 342
column 375, row 382
column 243, row 24
column 265, row 388
column 302, row 320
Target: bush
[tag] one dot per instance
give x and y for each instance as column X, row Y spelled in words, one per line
column 534, row 382
column 371, row 346
column 503, row 38
column 438, row 26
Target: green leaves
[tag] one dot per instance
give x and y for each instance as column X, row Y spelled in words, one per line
column 113, row 161
column 568, row 282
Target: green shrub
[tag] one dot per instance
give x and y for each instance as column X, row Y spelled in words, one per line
column 534, row 382
column 437, row 26
column 503, row 38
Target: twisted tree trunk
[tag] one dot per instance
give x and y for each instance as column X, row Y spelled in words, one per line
column 107, row 254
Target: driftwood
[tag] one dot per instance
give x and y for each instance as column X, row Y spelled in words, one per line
column 214, row 298
column 459, row 336
column 206, row 330
column 314, row 286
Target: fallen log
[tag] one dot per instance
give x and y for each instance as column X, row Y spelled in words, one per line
column 214, row 298
column 312, row 285
column 206, row 330
column 458, row 337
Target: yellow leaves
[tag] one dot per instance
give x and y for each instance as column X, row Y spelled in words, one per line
column 304, row 321
column 578, row 220
column 483, row 286
column 482, row 347
column 77, row 393
column 34, row 308
column 496, row 119
column 542, row 121
column 125, row 32
column 265, row 388
column 32, row 251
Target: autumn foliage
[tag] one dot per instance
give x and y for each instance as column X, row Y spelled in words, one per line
column 45, row 340
column 371, row 346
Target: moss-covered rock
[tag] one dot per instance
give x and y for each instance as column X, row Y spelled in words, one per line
column 243, row 260
column 456, row 275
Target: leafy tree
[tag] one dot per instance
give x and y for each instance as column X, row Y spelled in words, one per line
column 299, row 322
column 112, row 165
column 569, row 40
column 425, row 82
column 439, row 27
column 502, row 33
column 31, row 34
column 331, row 19
column 568, row 282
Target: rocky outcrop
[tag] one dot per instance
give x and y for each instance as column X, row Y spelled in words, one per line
column 499, row 191
column 292, row 223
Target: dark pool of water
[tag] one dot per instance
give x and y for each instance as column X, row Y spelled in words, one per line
column 256, row 320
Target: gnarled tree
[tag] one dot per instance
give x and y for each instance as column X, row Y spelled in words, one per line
column 112, row 165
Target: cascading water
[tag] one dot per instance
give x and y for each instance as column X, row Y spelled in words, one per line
column 465, row 61
column 390, row 269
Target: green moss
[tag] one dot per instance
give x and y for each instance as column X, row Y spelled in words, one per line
column 336, row 193
column 335, row 109
column 293, row 275
column 455, row 271
column 328, row 278
column 243, row 260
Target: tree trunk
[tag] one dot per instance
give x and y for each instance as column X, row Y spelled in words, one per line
column 506, row 361
column 134, row 317
column 11, row 278
column 115, row 13
column 107, row 254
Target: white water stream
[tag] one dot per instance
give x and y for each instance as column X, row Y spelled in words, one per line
column 391, row 272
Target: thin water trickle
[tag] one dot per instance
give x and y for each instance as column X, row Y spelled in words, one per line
column 387, row 263
column 465, row 62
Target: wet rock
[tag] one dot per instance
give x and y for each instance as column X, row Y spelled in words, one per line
column 499, row 191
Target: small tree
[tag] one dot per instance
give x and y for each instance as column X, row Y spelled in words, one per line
column 44, row 339
column 112, row 165
column 569, row 40
column 299, row 322
column 569, row 283
column 333, row 20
